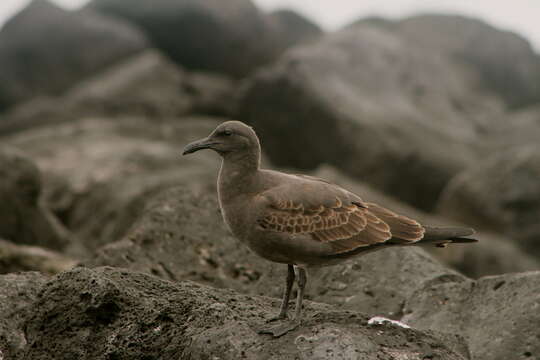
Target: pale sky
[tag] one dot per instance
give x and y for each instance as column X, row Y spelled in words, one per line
column 521, row 16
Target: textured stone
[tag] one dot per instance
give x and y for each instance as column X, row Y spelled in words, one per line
column 113, row 313
column 498, row 315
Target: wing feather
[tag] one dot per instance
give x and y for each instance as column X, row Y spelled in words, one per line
column 332, row 215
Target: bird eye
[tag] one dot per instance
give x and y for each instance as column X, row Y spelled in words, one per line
column 226, row 133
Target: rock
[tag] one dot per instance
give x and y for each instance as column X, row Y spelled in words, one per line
column 501, row 194
column 180, row 236
column 109, row 165
column 15, row 258
column 113, row 313
column 78, row 43
column 292, row 28
column 145, row 85
column 17, row 291
column 203, row 35
column 497, row 315
column 505, row 61
column 23, row 217
column 363, row 100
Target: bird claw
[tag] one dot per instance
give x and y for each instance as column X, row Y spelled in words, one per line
column 280, row 329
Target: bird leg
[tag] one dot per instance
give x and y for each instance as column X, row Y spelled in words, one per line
column 290, row 325
column 302, row 280
column 286, row 295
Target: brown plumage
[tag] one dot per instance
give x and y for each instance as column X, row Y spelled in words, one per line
column 301, row 220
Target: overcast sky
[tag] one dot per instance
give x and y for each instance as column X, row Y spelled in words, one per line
column 521, row 16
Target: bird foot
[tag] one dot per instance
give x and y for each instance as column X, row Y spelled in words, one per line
column 280, row 329
column 278, row 318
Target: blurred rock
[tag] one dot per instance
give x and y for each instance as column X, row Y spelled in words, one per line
column 45, row 50
column 504, row 60
column 502, row 193
column 23, row 217
column 514, row 129
column 292, row 28
column 230, row 37
column 96, row 169
column 145, row 85
column 497, row 315
column 111, row 313
column 15, row 258
column 17, row 291
column 363, row 99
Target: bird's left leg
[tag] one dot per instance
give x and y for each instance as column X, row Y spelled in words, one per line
column 291, row 325
column 286, row 295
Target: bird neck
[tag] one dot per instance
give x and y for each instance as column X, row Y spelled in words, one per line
column 238, row 173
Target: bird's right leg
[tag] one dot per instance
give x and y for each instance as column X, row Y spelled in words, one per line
column 286, row 326
column 286, row 295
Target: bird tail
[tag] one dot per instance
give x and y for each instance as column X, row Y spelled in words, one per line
column 443, row 235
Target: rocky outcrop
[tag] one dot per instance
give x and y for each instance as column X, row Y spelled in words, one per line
column 292, row 28
column 17, row 291
column 502, row 193
column 145, row 85
column 363, row 99
column 77, row 44
column 113, row 313
column 230, row 37
column 505, row 61
column 497, row 315
column 24, row 219
column 110, row 164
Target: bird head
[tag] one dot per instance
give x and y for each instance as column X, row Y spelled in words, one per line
column 229, row 137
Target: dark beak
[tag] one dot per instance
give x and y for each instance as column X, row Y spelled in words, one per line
column 205, row 143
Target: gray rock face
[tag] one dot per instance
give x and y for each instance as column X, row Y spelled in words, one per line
column 23, row 217
column 145, row 85
column 292, row 28
column 17, row 291
column 78, row 43
column 501, row 193
column 505, row 61
column 497, row 315
column 110, row 164
column 363, row 100
column 112, row 313
column 229, row 37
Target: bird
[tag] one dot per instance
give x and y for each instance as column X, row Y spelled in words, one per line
column 300, row 220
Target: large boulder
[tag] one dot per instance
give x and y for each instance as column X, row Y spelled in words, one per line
column 17, row 291
column 24, row 219
column 45, row 49
column 97, row 169
column 292, row 28
column 505, row 61
column 497, row 315
column 502, row 194
column 144, row 85
column 230, row 37
column 113, row 313
column 364, row 100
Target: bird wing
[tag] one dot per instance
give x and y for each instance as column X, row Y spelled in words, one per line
column 330, row 214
